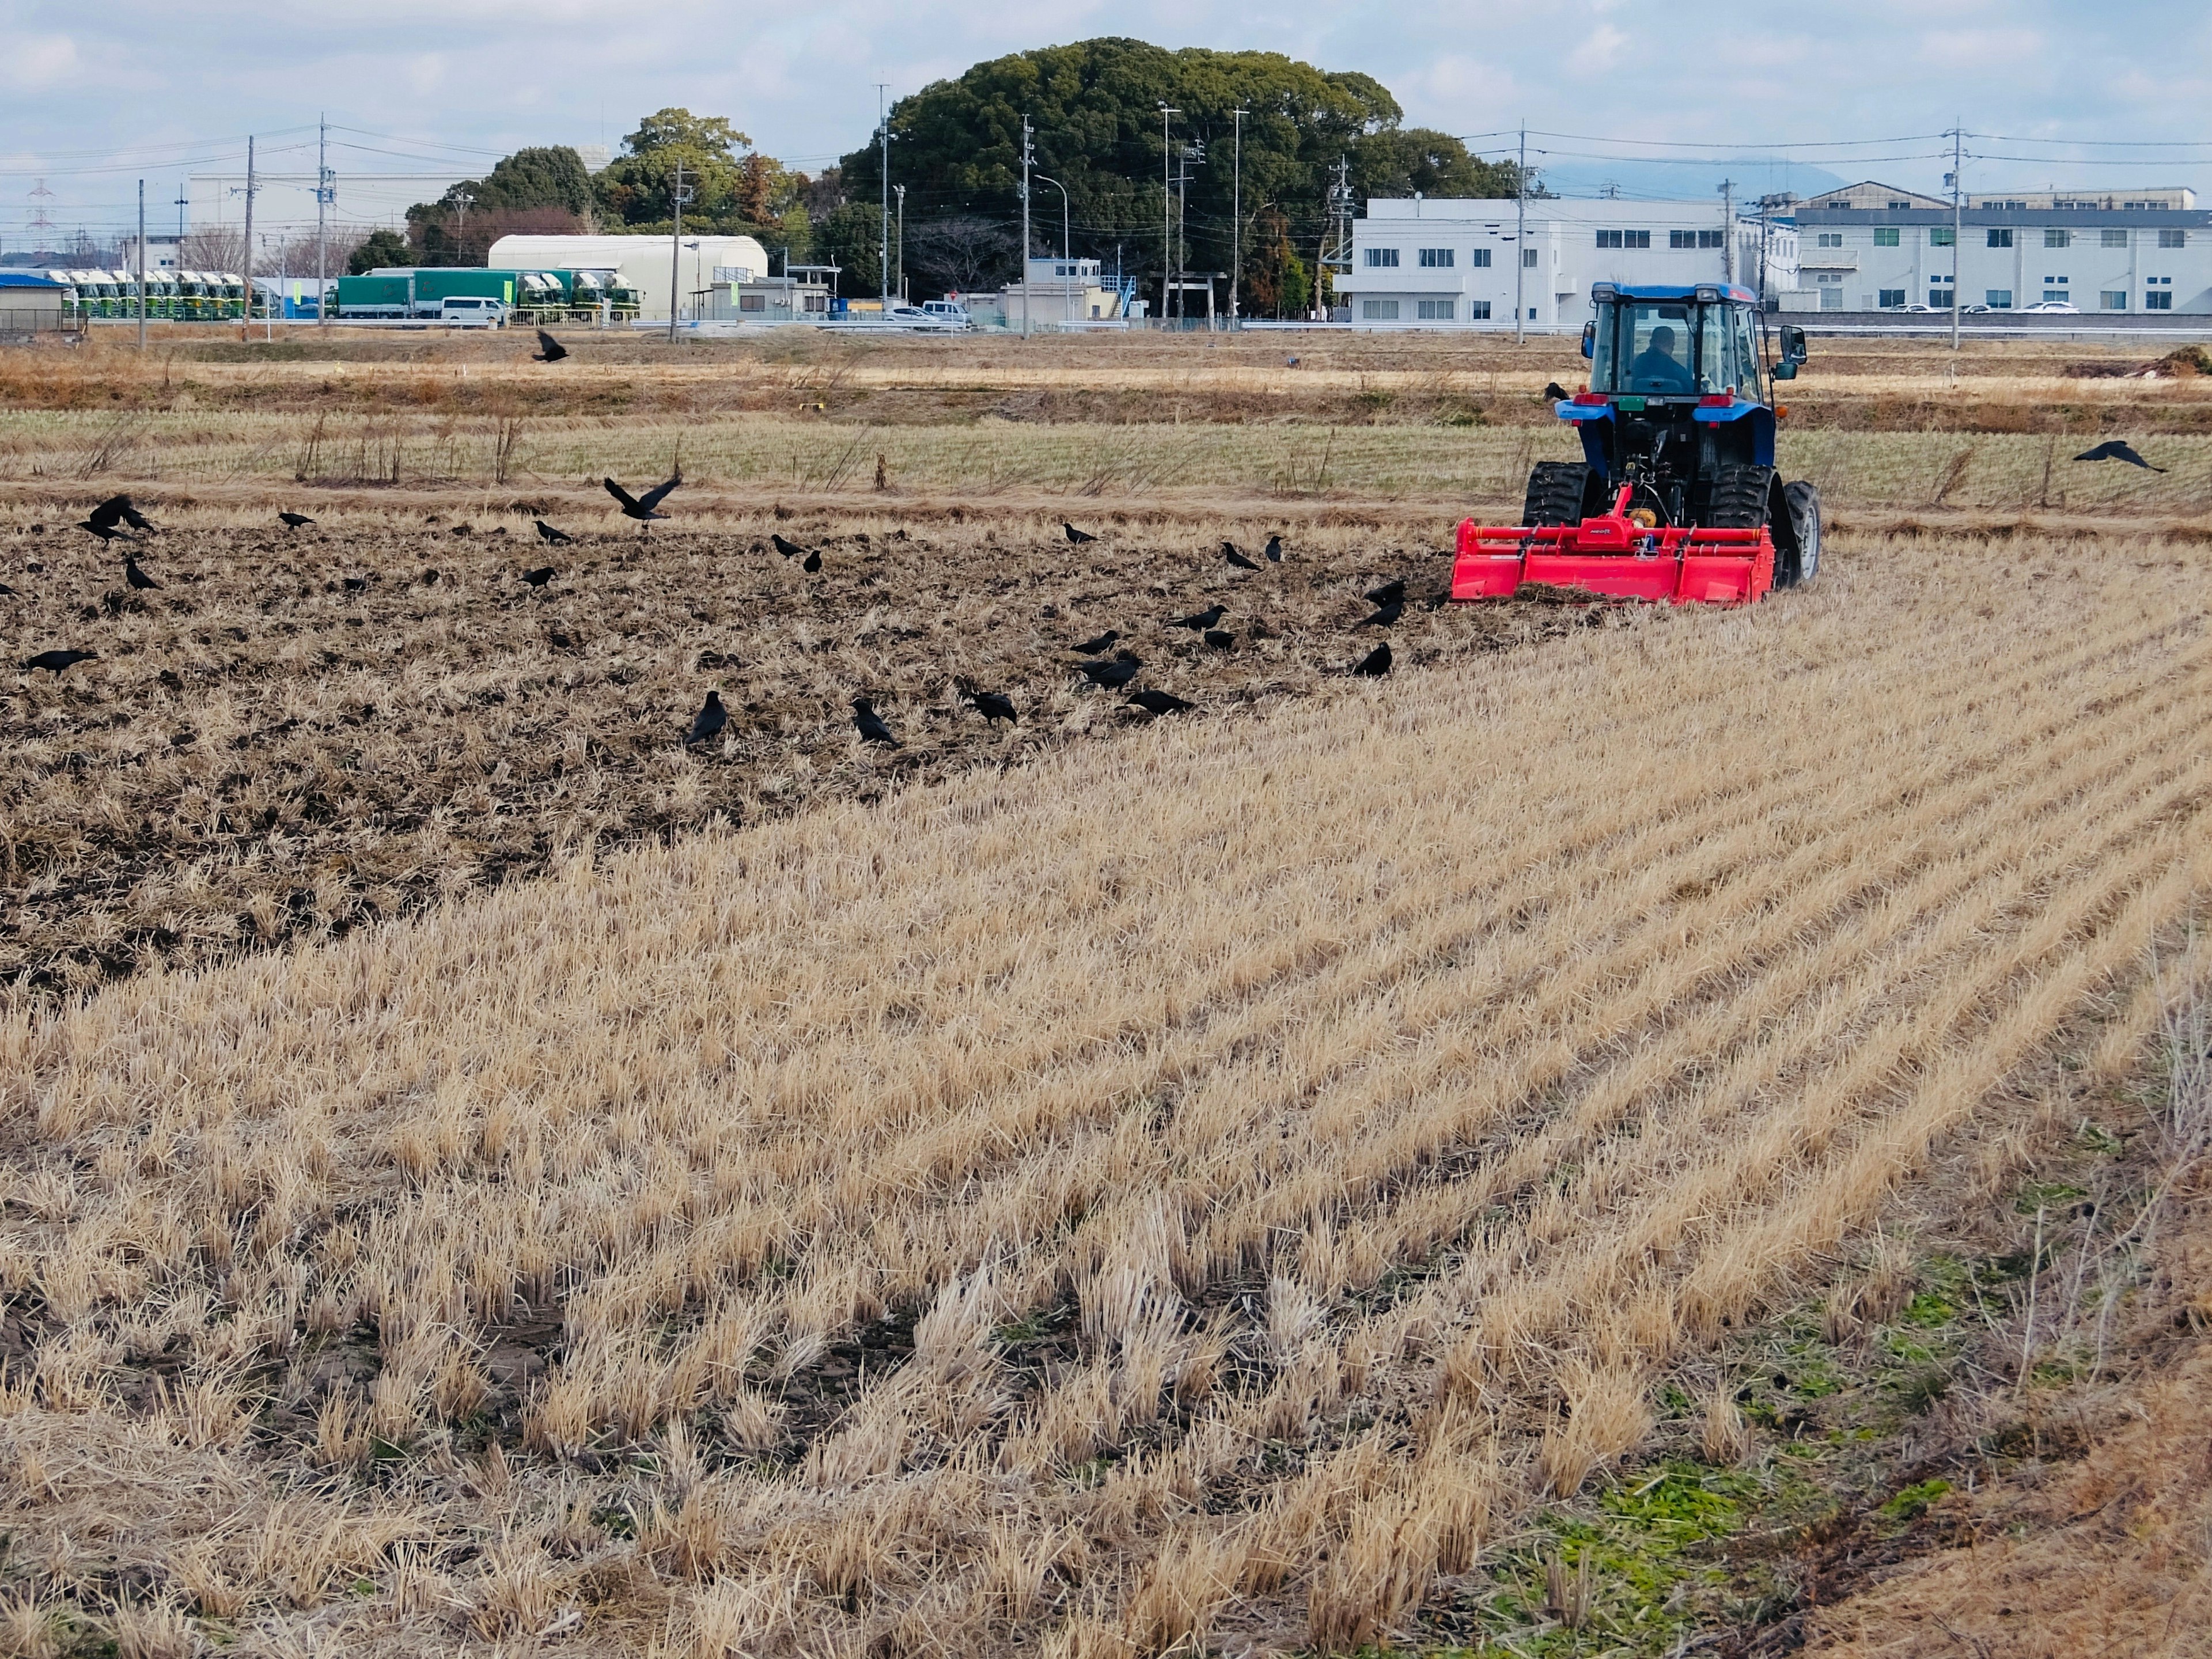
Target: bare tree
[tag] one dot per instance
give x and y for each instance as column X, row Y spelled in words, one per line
column 221, row 247
column 960, row 252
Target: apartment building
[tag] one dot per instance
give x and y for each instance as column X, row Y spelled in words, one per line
column 1423, row 263
column 1873, row 247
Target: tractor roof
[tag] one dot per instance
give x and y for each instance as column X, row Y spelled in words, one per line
column 1707, row 291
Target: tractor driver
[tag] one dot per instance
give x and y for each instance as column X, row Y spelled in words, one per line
column 1655, row 368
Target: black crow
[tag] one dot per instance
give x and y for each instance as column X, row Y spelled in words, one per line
column 812, row 563
column 540, row 576
column 710, row 721
column 551, row 537
column 790, row 549
column 1556, row 392
column 1388, row 594
column 993, row 706
column 4, row 588
column 171, row 680
column 1157, row 702
column 463, row 529
column 1078, row 536
column 1093, row 647
column 1229, row 552
column 55, row 661
column 137, row 578
column 549, row 350
column 640, row 507
column 1275, row 550
column 107, row 532
column 1384, row 616
column 429, row 579
column 1203, row 619
column 1220, row 641
column 354, row 583
column 103, row 520
column 870, row 725
column 1113, row 675
column 294, row 520
column 2118, row 449
column 1376, row 663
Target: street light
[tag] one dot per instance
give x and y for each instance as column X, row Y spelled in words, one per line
column 1064, row 254
column 1167, row 208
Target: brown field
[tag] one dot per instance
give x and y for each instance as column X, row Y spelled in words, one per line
column 1251, row 1182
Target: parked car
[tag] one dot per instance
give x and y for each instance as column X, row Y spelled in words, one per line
column 1973, row 311
column 1912, row 307
column 2051, row 304
column 948, row 310
column 466, row 311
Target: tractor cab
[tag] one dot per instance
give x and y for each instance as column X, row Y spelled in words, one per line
column 1677, row 426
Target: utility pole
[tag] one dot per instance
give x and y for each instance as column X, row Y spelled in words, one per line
column 884, row 248
column 1166, row 260
column 1958, row 224
column 675, row 199
column 181, row 203
column 250, row 188
column 142, row 264
column 1728, row 230
column 1026, row 133
column 1236, row 213
column 901, row 190
column 324, row 192
column 1520, row 233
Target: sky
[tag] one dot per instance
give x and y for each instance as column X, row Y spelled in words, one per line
column 94, row 97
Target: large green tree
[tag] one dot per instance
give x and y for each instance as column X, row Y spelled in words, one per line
column 546, row 189
column 1095, row 109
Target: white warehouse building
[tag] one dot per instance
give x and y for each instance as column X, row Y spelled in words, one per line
column 1873, row 247
column 1452, row 263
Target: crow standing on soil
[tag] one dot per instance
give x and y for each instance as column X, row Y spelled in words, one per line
column 790, row 549
column 1556, row 392
column 1093, row 647
column 812, row 563
column 551, row 537
column 55, row 661
column 354, row 583
column 1376, row 663
column 1229, row 552
column 1157, row 702
column 641, row 507
column 1112, row 676
column 137, row 578
column 1203, row 619
column 549, row 350
column 540, row 576
column 1077, row 536
column 2118, row 449
column 710, row 720
column 870, row 725
column 294, row 520
column 1275, row 550
column 1218, row 640
column 1388, row 594
column 1385, row 614
column 993, row 706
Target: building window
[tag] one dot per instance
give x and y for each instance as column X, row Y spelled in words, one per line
column 1885, row 235
column 2112, row 298
column 1436, row 258
column 1479, row 257
column 1529, row 258
column 1382, row 258
column 1997, row 299
column 1434, row 311
column 2173, row 239
column 2056, row 293
column 1379, row 311
column 2001, row 238
column 1830, row 239
column 1900, row 207
column 1942, row 236
column 2113, row 238
column 1940, row 298
column 1891, row 296
column 2158, row 298
column 2057, row 238
column 1477, row 311
column 752, row 303
column 1622, row 238
column 1695, row 238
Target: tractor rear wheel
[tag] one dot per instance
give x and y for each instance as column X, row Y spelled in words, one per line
column 1559, row 492
column 1741, row 499
column 1802, row 499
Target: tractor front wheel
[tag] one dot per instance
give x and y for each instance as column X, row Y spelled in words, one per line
column 1802, row 499
column 1558, row 493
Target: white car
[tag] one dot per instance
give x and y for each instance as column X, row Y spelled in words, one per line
column 948, row 310
column 2050, row 305
column 460, row 311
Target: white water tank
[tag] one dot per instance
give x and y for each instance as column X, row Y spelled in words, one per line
column 641, row 262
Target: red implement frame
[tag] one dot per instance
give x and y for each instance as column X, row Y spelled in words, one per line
column 1615, row 556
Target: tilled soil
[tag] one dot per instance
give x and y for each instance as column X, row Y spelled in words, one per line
column 299, row 732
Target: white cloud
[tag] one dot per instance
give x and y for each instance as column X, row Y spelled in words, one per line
column 1600, row 51
column 41, row 60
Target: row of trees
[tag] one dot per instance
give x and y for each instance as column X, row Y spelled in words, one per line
column 1095, row 109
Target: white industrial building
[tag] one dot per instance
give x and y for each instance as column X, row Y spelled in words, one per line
column 1452, row 263
column 706, row 270
column 1873, row 247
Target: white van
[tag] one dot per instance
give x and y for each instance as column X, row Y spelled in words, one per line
column 459, row 310
column 948, row 313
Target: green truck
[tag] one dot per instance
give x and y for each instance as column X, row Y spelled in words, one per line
column 471, row 296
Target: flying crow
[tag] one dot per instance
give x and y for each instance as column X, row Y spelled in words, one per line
column 549, row 350
column 551, row 537
column 1093, row 647
column 1275, row 550
column 1203, row 619
column 1157, row 702
column 1376, row 663
column 135, row 577
column 540, row 576
column 1229, row 552
column 55, row 661
column 870, row 725
column 1218, row 640
column 2118, row 449
column 640, row 507
column 1113, row 675
column 1556, row 392
column 116, row 510
column 1388, row 594
column 710, row 721
column 294, row 520
column 790, row 549
column 1078, row 536
column 1384, row 616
